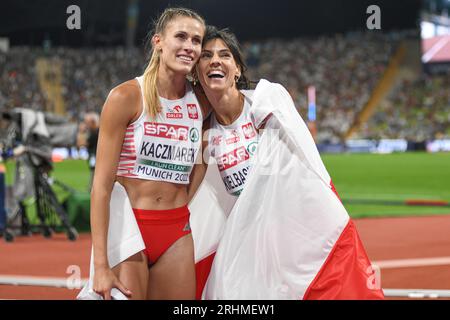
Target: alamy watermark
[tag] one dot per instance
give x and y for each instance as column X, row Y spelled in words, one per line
column 374, row 20
column 374, row 279
column 73, row 22
column 74, row 280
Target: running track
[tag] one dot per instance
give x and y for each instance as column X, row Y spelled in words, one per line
column 413, row 253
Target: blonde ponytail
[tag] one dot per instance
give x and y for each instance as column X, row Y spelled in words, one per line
column 152, row 104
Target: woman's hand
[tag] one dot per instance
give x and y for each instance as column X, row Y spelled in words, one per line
column 105, row 280
column 114, row 121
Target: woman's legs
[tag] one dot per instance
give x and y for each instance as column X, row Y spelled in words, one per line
column 133, row 273
column 172, row 277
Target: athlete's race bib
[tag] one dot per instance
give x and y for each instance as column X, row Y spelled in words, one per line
column 167, row 152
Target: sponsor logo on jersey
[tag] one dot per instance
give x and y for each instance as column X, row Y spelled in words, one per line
column 192, row 111
column 249, row 131
column 252, row 148
column 166, row 130
column 234, row 137
column 174, row 113
column 194, row 135
column 232, row 158
column 216, row 140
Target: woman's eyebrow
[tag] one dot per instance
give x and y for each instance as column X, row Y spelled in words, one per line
column 196, row 35
column 220, row 51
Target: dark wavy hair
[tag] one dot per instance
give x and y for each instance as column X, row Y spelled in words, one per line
column 232, row 43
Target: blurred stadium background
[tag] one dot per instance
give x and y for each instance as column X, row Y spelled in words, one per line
column 376, row 101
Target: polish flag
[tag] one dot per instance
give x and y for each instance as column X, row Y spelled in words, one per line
column 287, row 236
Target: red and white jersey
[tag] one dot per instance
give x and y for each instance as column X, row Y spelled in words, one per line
column 166, row 148
column 233, row 147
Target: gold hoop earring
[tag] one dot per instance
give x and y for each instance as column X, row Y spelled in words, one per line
column 192, row 78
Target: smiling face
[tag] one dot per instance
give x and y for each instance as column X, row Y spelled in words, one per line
column 180, row 44
column 217, row 70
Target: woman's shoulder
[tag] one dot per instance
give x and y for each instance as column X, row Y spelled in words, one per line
column 128, row 90
column 124, row 100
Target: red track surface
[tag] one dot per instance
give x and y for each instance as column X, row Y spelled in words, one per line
column 384, row 239
column 409, row 238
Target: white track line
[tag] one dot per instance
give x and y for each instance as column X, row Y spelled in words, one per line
column 393, row 196
column 409, row 263
column 417, row 293
column 63, row 283
column 41, row 281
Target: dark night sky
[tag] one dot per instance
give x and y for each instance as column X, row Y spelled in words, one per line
column 103, row 22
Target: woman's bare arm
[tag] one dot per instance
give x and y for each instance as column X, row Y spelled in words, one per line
column 119, row 110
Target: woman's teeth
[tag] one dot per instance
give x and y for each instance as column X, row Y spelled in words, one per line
column 185, row 58
column 219, row 75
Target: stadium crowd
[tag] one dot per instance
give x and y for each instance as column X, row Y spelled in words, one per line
column 416, row 111
column 19, row 86
column 343, row 68
column 88, row 75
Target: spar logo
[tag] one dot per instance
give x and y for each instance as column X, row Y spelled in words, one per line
column 249, row 131
column 174, row 113
column 232, row 158
column 192, row 111
column 252, row 148
column 234, row 137
column 194, row 135
column 166, row 130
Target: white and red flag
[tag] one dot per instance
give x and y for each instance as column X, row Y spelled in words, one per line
column 287, row 236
